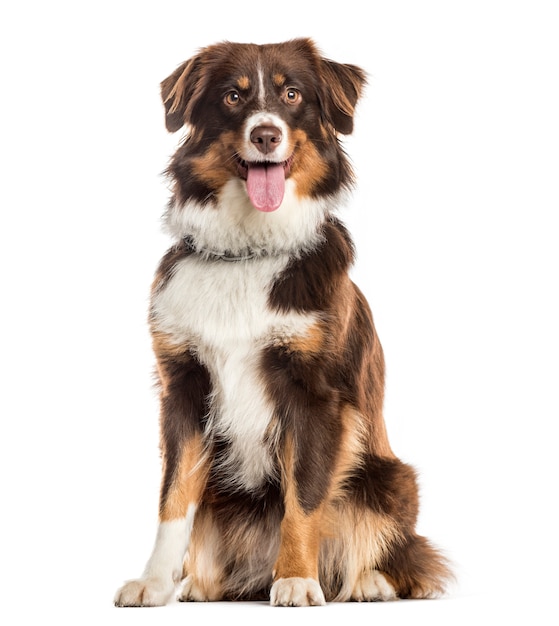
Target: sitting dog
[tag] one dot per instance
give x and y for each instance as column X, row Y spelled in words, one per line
column 278, row 478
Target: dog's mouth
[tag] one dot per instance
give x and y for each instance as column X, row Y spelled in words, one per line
column 265, row 182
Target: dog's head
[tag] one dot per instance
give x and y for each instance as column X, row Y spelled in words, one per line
column 259, row 116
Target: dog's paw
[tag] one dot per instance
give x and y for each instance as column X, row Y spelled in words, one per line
column 372, row 586
column 296, row 592
column 144, row 592
column 193, row 592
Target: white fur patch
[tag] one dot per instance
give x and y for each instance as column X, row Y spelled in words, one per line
column 164, row 568
column 234, row 225
column 170, row 547
column 372, row 586
column 145, row 592
column 261, row 88
column 222, row 309
column 296, row 592
column 249, row 152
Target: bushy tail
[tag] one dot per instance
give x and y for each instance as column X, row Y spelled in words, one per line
column 417, row 569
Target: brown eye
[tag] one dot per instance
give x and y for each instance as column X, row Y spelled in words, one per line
column 292, row 96
column 232, row 98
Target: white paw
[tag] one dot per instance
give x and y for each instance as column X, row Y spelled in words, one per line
column 372, row 586
column 296, row 592
column 145, row 592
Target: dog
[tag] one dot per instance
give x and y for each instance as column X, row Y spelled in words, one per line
column 278, row 482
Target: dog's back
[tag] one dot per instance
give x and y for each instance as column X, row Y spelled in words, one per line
column 278, row 476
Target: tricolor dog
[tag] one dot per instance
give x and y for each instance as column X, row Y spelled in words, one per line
column 279, row 482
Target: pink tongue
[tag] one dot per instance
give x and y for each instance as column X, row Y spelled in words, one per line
column 266, row 185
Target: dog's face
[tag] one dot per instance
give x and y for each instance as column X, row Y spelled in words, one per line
column 261, row 115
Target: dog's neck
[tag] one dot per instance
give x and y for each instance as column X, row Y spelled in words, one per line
column 231, row 229
column 221, row 256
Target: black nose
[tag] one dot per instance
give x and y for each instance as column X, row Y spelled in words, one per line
column 266, row 138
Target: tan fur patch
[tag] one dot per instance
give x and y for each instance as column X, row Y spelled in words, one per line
column 164, row 345
column 188, row 482
column 300, row 532
column 164, row 348
column 216, row 165
column 279, row 79
column 308, row 167
column 309, row 343
column 210, row 168
column 243, row 82
column 352, row 449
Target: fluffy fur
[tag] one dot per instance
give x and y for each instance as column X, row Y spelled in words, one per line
column 278, row 478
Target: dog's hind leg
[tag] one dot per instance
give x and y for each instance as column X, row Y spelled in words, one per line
column 406, row 566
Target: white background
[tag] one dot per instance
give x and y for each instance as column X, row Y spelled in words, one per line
column 456, row 149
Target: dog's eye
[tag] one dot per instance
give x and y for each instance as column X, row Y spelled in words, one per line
column 292, row 96
column 232, row 98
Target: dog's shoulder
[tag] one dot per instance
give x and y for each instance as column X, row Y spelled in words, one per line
column 311, row 281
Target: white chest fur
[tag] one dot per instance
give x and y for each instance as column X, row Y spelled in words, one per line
column 222, row 310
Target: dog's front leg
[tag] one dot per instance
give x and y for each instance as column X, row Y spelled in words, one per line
column 310, row 420
column 185, row 389
column 296, row 569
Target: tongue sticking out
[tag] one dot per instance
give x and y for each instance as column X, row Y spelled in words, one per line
column 265, row 185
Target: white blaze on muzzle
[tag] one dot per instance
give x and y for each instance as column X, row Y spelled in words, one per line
column 266, row 152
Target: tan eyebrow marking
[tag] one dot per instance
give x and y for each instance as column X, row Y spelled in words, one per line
column 279, row 79
column 243, row 82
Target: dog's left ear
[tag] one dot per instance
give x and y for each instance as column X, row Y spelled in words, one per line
column 178, row 91
column 343, row 87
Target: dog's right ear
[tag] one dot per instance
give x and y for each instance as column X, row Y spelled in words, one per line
column 178, row 91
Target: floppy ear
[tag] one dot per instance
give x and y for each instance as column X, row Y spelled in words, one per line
column 343, row 86
column 177, row 91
